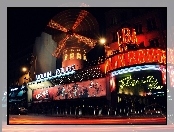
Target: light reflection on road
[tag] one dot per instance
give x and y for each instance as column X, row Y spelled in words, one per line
column 82, row 128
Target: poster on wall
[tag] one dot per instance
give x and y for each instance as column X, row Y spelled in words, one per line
column 17, row 93
column 85, row 89
column 140, row 83
column 43, row 95
column 112, row 83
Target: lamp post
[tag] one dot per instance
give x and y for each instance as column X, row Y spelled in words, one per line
column 24, row 69
column 26, row 75
column 102, row 41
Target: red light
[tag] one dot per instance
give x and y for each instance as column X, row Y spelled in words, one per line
column 136, row 57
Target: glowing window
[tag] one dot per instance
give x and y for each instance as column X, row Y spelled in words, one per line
column 79, row 56
column 72, row 56
column 84, row 57
column 66, row 57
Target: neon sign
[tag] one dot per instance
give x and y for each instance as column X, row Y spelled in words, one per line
column 134, row 58
column 136, row 68
column 14, row 89
column 126, row 35
column 130, row 82
column 59, row 72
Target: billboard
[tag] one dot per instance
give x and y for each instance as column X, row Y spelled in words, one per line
column 17, row 93
column 44, row 94
column 140, row 83
column 137, row 57
column 84, row 89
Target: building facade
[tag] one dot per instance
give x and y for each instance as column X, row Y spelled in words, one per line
column 128, row 81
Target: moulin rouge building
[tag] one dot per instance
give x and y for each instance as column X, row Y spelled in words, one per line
column 130, row 77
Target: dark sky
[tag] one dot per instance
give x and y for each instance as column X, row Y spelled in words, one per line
column 25, row 24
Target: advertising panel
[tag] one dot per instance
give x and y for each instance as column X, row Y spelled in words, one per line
column 134, row 57
column 140, row 83
column 44, row 94
column 85, row 89
column 17, row 93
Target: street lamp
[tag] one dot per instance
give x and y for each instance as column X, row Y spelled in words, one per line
column 102, row 41
column 107, row 48
column 25, row 77
column 24, row 69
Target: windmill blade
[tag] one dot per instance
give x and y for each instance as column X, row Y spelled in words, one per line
column 86, row 40
column 61, row 45
column 81, row 16
column 57, row 26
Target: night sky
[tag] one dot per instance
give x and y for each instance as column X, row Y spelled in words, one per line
column 25, row 24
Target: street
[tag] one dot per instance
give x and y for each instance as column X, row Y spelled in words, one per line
column 40, row 119
column 33, row 119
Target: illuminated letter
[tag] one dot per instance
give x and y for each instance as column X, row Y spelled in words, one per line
column 62, row 70
column 69, row 69
column 41, row 76
column 49, row 74
column 37, row 77
column 57, row 72
column 73, row 68
column 45, row 75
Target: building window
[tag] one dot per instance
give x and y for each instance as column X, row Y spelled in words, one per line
column 138, row 28
column 72, row 56
column 151, row 24
column 79, row 56
column 66, row 57
column 154, row 43
column 84, row 57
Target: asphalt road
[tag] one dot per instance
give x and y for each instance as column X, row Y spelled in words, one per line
column 32, row 119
